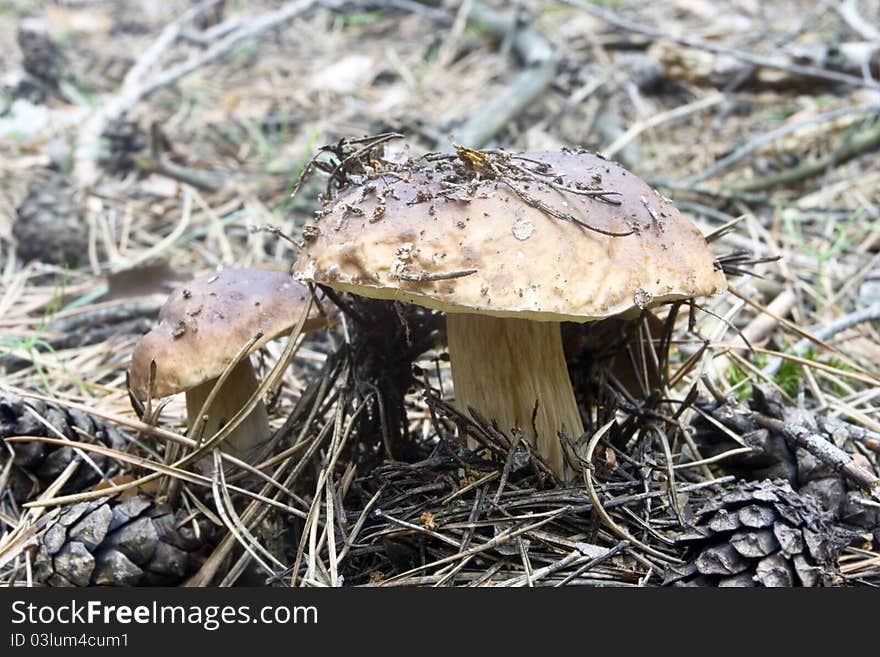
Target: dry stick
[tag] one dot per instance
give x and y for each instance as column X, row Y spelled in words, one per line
column 359, row 524
column 832, row 425
column 592, row 563
column 417, row 528
column 504, row 537
column 340, row 438
column 34, row 519
column 417, row 7
column 574, row 100
column 135, row 425
column 701, row 44
column 809, row 337
column 786, row 38
column 159, row 163
column 498, row 112
column 824, row 450
column 639, row 127
column 768, row 137
column 573, row 558
column 530, row 47
column 88, row 141
column 467, row 537
column 160, row 469
column 609, row 129
column 249, row 30
column 293, row 343
column 214, row 32
column 446, row 50
column 254, row 513
column 541, row 65
column 616, row 529
column 849, row 12
column 822, row 333
column 762, row 326
column 862, row 142
column 233, row 521
column 135, row 87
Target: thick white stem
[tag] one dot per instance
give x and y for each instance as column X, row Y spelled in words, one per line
column 513, row 371
column 235, row 393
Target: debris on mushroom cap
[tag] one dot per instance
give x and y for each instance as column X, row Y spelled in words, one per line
column 569, row 236
column 205, row 323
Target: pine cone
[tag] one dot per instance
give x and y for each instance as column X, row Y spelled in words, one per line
column 36, row 464
column 138, row 542
column 122, row 140
column 759, row 534
column 774, row 458
column 42, row 61
column 50, row 226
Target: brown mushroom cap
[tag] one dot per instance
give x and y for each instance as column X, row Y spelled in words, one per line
column 415, row 238
column 205, row 323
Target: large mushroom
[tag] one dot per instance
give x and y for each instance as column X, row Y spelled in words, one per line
column 509, row 246
column 202, row 327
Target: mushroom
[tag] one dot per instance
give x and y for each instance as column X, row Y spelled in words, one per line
column 508, row 250
column 202, row 327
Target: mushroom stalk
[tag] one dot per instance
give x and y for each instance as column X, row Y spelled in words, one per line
column 513, row 371
column 238, row 388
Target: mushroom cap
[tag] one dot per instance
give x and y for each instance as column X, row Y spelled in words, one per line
column 205, row 323
column 444, row 238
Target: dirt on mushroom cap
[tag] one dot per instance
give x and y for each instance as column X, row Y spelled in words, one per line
column 451, row 237
column 207, row 321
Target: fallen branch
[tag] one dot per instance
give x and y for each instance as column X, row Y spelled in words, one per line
column 762, row 326
column 695, row 42
column 498, row 112
column 541, row 65
column 207, row 181
column 138, row 86
column 640, row 126
column 768, row 137
column 849, row 12
column 860, row 143
column 819, row 335
column 824, row 450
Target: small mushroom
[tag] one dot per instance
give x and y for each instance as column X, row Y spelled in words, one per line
column 508, row 260
column 202, row 327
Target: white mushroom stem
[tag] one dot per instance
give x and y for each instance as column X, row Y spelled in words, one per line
column 513, row 371
column 238, row 388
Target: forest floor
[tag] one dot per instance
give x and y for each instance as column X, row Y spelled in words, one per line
column 143, row 144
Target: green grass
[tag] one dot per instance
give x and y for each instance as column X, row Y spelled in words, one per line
column 846, row 234
column 265, row 148
column 34, row 343
column 788, row 377
column 356, row 18
column 832, row 387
